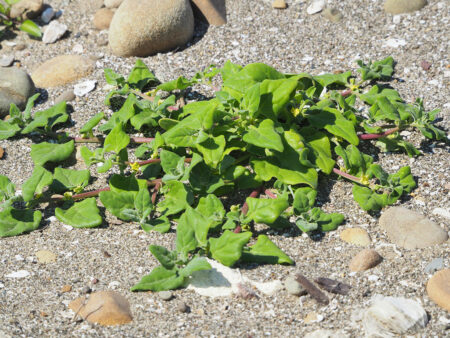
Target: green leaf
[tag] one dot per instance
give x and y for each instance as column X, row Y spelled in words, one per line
column 70, row 179
column 321, row 151
column 192, row 219
column 160, row 279
column 275, row 94
column 304, row 199
column 14, row 222
column 327, row 79
column 161, row 225
column 265, row 251
column 84, row 214
column 172, row 164
column 326, row 221
column 141, row 76
column 50, row 152
column 369, row 200
column 31, row 28
column 264, row 136
column 142, row 201
column 212, row 209
column 388, row 110
column 121, row 183
column 107, row 164
column 48, row 118
column 306, row 226
column 117, row 139
column 7, row 188
column 126, row 112
column 403, row 178
column 261, row 210
column 185, row 241
column 179, row 83
column 177, row 198
column 92, row 123
column 212, row 150
column 117, row 202
column 227, row 249
column 378, row 70
column 165, row 257
column 196, row 264
column 251, row 99
column 7, row 130
column 36, row 183
column 113, row 78
column 146, row 117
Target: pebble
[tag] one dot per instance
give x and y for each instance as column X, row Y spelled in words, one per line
column 45, row 256
column 356, row 236
column 332, row 14
column 435, row 265
column 66, row 288
column 62, row 70
column 104, row 308
column 403, row 6
column 83, row 88
column 316, row 6
column 324, row 333
column 6, row 60
column 279, row 4
column 102, row 40
column 20, row 46
column 135, row 33
column 293, row 287
column 18, row 274
column 102, row 19
column 213, row 10
column 85, row 290
column 165, row 295
column 2, row 152
column 393, row 316
column 365, row 260
column 438, row 288
column 313, row 317
column 410, row 229
column 67, row 96
column 182, row 307
column 78, row 48
column 47, row 15
column 114, row 284
column 54, row 31
column 16, row 87
column 26, row 9
column 394, row 43
column 425, row 65
column 441, row 212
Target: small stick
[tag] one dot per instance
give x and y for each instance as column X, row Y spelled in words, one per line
column 155, row 192
column 375, row 136
column 312, row 289
column 142, row 95
column 348, row 176
column 254, row 194
column 100, row 139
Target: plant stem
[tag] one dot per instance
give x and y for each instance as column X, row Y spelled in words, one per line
column 254, row 194
column 346, row 92
column 100, row 139
column 347, row 176
column 270, row 194
column 380, row 135
column 142, row 95
column 155, row 192
column 155, row 160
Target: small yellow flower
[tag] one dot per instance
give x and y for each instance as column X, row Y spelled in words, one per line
column 295, row 111
column 364, row 180
column 135, row 166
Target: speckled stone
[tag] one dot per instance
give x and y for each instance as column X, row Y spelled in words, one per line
column 365, row 260
column 438, row 288
column 403, row 6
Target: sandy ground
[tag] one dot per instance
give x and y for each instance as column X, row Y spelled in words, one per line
column 291, row 41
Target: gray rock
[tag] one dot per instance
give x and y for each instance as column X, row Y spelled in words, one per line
column 165, row 295
column 146, row 27
column 66, row 96
column 435, row 265
column 403, row 6
column 55, row 30
column 316, row 6
column 113, row 3
column 182, row 307
column 393, row 316
column 16, row 87
column 410, row 229
column 293, row 287
column 332, row 14
column 6, row 60
column 85, row 87
column 27, row 9
column 47, row 15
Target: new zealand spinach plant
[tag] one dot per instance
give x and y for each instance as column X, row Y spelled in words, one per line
column 263, row 132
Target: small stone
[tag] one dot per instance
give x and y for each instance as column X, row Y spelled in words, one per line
column 441, row 212
column 332, row 14
column 95, row 281
column 356, row 236
column 67, row 96
column 324, row 333
column 45, row 256
column 435, row 265
column 293, row 287
column 54, row 31
column 66, row 288
column 313, row 317
column 214, row 11
column 425, row 65
column 102, row 19
column 393, row 316
column 18, row 274
column 43, row 314
column 104, row 308
column 6, row 60
column 26, row 9
column 403, row 6
column 394, row 43
column 135, row 33
column 47, row 15
column 83, row 88
column 182, row 307
column 78, row 48
column 438, row 288
column 200, row 312
column 20, row 46
column 2, row 152
column 365, row 260
column 165, row 295
column 279, row 4
column 410, row 229
column 85, row 290
column 62, row 70
column 102, row 40
column 113, row 3
column 16, row 87
column 316, row 6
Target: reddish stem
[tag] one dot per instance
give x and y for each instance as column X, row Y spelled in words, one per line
column 270, row 194
column 375, row 136
column 100, row 140
column 155, row 160
column 155, row 192
column 348, row 176
column 346, row 92
column 254, row 194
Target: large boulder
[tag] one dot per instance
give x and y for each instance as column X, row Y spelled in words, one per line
column 146, row 27
column 16, row 87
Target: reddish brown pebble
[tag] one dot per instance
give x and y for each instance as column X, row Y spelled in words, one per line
column 44, row 314
column 313, row 291
column 94, row 281
column 365, row 260
column 425, row 65
column 1, row 152
column 66, row 288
